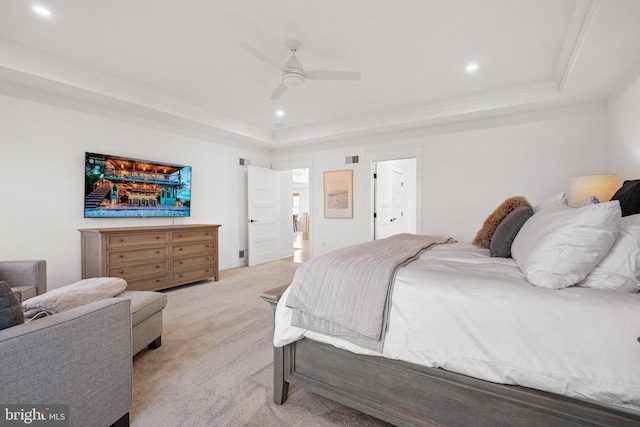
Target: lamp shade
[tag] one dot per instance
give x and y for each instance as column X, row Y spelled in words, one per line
column 602, row 186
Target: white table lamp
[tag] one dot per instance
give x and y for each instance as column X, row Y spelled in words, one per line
column 602, row 186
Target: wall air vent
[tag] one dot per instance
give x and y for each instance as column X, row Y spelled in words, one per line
column 351, row 159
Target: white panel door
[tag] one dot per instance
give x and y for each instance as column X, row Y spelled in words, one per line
column 388, row 199
column 264, row 215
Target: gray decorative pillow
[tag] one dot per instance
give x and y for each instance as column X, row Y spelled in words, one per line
column 10, row 308
column 483, row 238
column 508, row 230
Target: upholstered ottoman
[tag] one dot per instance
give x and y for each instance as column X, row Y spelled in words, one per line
column 146, row 306
column 146, row 318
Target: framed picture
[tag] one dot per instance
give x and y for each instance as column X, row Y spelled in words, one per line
column 338, row 194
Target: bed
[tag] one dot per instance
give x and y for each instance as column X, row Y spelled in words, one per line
column 546, row 336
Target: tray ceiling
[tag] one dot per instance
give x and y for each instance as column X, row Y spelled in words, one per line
column 179, row 64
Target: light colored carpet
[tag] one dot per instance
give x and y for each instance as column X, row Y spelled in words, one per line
column 215, row 365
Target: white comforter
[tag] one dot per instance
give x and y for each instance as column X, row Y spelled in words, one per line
column 459, row 309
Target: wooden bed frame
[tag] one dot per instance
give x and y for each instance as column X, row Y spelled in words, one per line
column 406, row 394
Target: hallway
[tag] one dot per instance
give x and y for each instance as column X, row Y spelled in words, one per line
column 300, row 248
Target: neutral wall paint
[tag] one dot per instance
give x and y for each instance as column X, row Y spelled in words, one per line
column 623, row 133
column 41, row 169
column 464, row 171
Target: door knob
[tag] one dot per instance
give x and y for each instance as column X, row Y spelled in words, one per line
column 253, row 220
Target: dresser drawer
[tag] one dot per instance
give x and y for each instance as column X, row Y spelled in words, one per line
column 203, row 260
column 148, row 283
column 153, row 257
column 126, row 271
column 136, row 255
column 119, row 241
column 191, row 236
column 192, row 275
column 196, row 248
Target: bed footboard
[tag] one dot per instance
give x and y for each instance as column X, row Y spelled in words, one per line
column 280, row 386
column 405, row 394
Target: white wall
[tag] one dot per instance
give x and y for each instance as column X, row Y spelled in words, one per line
column 464, row 170
column 623, row 133
column 42, row 174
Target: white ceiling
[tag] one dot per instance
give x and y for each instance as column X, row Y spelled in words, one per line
column 179, row 62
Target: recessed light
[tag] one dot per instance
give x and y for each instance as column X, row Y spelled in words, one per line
column 279, row 113
column 41, row 10
column 472, row 67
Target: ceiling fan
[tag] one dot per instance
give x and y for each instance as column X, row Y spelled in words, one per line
column 293, row 75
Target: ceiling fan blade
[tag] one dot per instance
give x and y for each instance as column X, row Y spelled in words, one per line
column 332, row 75
column 281, row 89
column 260, row 55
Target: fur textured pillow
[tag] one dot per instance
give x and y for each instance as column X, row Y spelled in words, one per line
column 483, row 238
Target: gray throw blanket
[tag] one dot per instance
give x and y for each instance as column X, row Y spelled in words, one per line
column 80, row 293
column 347, row 293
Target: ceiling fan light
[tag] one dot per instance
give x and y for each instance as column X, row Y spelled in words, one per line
column 292, row 80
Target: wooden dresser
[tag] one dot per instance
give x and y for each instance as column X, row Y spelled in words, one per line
column 151, row 258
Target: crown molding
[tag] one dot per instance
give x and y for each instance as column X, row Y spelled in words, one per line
column 33, row 68
column 579, row 25
column 30, row 68
column 433, row 113
column 423, row 116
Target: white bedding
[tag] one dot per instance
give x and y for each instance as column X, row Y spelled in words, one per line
column 459, row 309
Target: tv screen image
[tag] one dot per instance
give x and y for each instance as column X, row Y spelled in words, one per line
column 126, row 187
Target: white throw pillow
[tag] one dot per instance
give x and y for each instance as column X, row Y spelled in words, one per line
column 619, row 270
column 560, row 198
column 559, row 246
column 591, row 200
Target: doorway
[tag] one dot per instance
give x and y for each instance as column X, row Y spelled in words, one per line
column 394, row 197
column 270, row 204
column 301, row 214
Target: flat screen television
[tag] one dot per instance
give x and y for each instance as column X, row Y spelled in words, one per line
column 117, row 186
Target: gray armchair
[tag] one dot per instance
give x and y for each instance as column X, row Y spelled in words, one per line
column 80, row 357
column 26, row 278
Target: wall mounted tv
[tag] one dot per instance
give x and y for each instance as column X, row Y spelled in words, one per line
column 125, row 187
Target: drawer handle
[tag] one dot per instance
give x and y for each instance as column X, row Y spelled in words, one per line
column 121, row 256
column 121, row 240
column 179, row 249
column 207, row 270
column 207, row 246
column 180, row 276
column 180, row 235
column 157, row 266
column 180, row 263
column 121, row 271
column 157, row 280
column 157, row 237
column 157, row 252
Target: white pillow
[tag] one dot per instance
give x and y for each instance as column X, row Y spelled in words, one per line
column 591, row 200
column 619, row 270
column 560, row 198
column 558, row 246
